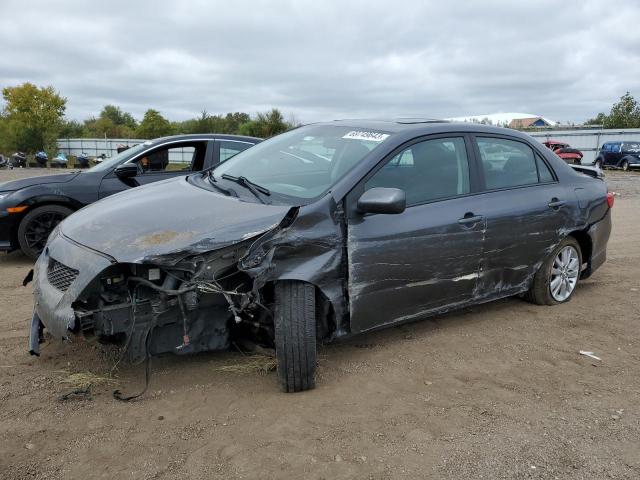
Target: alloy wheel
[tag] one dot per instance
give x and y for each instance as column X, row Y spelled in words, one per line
column 38, row 229
column 564, row 273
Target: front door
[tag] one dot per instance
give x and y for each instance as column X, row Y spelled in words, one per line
column 612, row 155
column 406, row 265
column 160, row 163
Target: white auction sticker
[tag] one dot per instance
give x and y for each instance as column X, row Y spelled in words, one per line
column 363, row 135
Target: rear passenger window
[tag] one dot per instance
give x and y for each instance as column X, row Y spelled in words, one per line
column 427, row 171
column 507, row 163
column 229, row 149
column 543, row 171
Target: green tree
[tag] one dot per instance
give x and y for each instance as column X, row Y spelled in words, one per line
column 624, row 114
column 232, row 122
column 118, row 117
column 5, row 143
column 597, row 120
column 34, row 116
column 154, row 125
column 104, row 127
column 265, row 125
column 71, row 129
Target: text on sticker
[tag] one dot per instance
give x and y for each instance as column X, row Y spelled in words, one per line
column 363, row 135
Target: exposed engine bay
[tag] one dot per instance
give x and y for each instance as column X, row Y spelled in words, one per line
column 196, row 305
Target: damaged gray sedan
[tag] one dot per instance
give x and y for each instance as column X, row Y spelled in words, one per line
column 320, row 233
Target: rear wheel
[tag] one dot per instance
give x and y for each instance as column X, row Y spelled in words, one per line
column 558, row 276
column 295, row 335
column 35, row 227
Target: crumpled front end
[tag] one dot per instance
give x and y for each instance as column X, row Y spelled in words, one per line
column 147, row 309
column 190, row 299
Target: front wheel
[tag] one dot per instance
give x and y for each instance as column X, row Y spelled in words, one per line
column 295, row 335
column 37, row 225
column 625, row 166
column 558, row 276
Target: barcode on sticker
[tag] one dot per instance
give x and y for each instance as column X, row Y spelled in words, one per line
column 364, row 135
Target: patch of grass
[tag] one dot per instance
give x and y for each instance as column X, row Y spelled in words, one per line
column 84, row 380
column 262, row 364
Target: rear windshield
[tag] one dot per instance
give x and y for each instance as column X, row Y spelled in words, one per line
column 631, row 147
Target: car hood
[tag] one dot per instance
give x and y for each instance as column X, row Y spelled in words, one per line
column 170, row 219
column 29, row 182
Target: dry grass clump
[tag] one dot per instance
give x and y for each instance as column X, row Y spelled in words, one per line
column 84, row 380
column 262, row 364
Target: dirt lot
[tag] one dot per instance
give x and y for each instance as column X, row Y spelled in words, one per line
column 496, row 391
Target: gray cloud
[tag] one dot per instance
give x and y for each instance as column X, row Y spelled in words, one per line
column 323, row 60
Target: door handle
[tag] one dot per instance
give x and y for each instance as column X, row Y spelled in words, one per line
column 469, row 219
column 555, row 203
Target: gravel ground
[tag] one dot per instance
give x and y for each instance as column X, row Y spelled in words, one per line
column 495, row 391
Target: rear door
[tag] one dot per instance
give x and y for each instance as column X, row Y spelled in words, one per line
column 405, row 265
column 526, row 209
column 161, row 162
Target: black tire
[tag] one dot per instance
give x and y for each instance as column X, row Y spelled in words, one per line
column 540, row 290
column 295, row 335
column 35, row 227
column 625, row 165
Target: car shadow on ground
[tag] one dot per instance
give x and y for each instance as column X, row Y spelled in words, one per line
column 16, row 259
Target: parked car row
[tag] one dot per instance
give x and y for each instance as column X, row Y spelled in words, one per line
column 318, row 234
column 619, row 155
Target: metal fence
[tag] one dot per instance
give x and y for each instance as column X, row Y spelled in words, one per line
column 588, row 141
column 94, row 147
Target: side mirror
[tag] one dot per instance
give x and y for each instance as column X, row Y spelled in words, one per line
column 126, row 170
column 382, row 200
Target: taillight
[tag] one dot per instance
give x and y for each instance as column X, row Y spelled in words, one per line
column 610, row 198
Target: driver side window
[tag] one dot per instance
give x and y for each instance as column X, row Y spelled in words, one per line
column 427, row 171
column 174, row 157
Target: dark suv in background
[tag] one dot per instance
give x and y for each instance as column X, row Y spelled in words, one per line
column 31, row 208
column 623, row 155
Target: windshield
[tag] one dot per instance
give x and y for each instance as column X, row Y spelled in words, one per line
column 120, row 157
column 304, row 162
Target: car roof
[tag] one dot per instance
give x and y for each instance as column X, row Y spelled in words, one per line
column 208, row 136
column 422, row 126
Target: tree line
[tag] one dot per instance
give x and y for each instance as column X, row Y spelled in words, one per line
column 623, row 114
column 34, row 117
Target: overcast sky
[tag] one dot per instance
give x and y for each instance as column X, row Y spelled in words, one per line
column 321, row 60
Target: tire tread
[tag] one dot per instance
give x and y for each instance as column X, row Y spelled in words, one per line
column 295, row 334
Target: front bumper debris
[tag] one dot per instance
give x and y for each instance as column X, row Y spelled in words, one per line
column 53, row 303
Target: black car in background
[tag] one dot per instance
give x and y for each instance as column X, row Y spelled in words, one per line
column 320, row 233
column 31, row 208
column 623, row 155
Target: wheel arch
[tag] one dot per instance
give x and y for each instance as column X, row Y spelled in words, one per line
column 586, row 249
column 41, row 201
column 326, row 322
